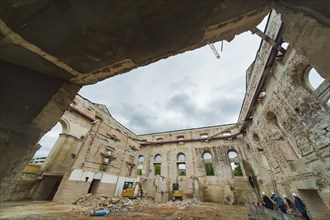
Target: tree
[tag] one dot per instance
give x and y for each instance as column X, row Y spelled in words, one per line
column 157, row 169
column 182, row 172
column 238, row 170
column 209, row 169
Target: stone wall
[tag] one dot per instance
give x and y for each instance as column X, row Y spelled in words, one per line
column 107, row 152
column 170, row 145
column 81, row 157
column 288, row 131
column 286, row 123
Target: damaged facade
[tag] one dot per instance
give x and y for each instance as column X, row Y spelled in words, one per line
column 96, row 154
column 286, row 126
column 282, row 141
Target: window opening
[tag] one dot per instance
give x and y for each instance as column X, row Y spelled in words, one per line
column 204, row 137
column 226, row 134
column 208, row 164
column 181, row 157
column 235, row 164
column 158, row 168
column 314, row 79
column 180, row 139
column 236, row 169
column 106, row 160
column 159, row 141
column 182, row 169
column 232, row 154
column 140, row 165
column 157, row 164
column 158, row 158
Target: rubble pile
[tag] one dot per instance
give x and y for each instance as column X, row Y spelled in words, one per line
column 184, row 203
column 88, row 203
column 91, row 203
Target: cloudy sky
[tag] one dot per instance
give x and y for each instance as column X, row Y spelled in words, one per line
column 193, row 89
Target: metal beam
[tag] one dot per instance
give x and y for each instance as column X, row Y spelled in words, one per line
column 268, row 39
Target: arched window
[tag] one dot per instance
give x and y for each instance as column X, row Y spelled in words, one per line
column 181, row 156
column 232, row 154
column 158, row 158
column 235, row 163
column 157, row 164
column 316, row 84
column 181, row 165
column 313, row 79
column 208, row 164
column 140, row 165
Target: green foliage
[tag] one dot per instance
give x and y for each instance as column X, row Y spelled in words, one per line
column 139, row 172
column 238, row 170
column 209, row 169
column 157, row 169
column 103, row 167
column 182, row 172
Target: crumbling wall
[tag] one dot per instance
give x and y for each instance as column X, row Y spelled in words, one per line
column 286, row 123
column 23, row 187
column 307, row 30
column 81, row 155
column 195, row 182
column 290, row 133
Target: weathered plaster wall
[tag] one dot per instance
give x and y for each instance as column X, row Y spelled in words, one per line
column 26, row 115
column 97, row 133
column 89, row 131
column 286, row 122
column 290, row 134
column 307, row 29
column 208, row 188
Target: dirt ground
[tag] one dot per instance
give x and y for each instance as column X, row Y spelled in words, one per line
column 167, row 211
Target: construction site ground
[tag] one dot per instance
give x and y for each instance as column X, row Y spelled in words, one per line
column 123, row 209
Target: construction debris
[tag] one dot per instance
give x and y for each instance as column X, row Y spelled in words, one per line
column 89, row 204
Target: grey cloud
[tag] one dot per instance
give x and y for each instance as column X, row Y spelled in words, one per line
column 181, row 102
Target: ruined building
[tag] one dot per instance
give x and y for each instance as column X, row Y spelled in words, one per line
column 96, row 154
column 281, row 141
